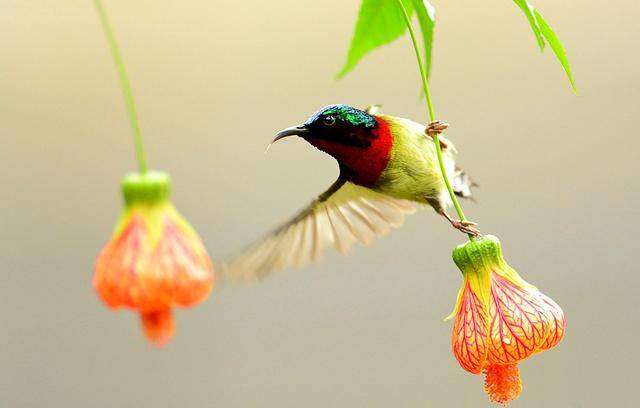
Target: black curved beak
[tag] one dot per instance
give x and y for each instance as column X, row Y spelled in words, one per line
column 300, row 130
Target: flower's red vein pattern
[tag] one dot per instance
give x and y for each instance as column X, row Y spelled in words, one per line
column 522, row 322
column 469, row 343
column 521, row 325
column 557, row 329
column 500, row 319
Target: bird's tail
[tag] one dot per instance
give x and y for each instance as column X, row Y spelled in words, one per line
column 462, row 184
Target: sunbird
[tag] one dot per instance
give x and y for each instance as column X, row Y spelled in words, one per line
column 387, row 165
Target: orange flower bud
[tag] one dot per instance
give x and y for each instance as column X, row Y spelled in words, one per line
column 500, row 319
column 155, row 259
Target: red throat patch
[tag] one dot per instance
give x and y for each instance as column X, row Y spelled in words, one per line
column 359, row 165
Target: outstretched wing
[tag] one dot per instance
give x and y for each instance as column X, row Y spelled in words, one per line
column 344, row 214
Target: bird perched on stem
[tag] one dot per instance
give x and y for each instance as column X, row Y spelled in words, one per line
column 387, row 165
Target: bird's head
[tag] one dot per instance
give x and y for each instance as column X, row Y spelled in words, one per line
column 359, row 141
column 334, row 127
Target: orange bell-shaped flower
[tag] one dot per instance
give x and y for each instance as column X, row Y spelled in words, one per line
column 155, row 259
column 500, row 319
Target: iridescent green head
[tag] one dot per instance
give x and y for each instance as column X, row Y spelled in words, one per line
column 343, row 113
column 337, row 124
column 359, row 141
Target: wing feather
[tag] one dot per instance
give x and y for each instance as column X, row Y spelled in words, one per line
column 344, row 238
column 341, row 216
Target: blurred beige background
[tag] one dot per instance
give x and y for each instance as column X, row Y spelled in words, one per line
column 214, row 80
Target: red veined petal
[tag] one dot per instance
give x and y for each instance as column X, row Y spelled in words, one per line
column 181, row 269
column 557, row 324
column 519, row 324
column 117, row 277
column 470, row 332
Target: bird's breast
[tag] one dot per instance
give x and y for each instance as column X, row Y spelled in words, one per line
column 363, row 165
column 412, row 171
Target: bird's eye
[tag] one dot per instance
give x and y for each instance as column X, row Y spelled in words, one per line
column 329, row 120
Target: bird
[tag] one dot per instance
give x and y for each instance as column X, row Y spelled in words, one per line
column 388, row 167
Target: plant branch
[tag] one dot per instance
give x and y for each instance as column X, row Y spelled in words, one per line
column 430, row 112
column 125, row 85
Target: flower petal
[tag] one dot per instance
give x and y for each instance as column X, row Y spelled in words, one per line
column 470, row 332
column 116, row 278
column 180, row 268
column 519, row 324
column 557, row 324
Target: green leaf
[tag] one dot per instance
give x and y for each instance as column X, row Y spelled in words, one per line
column 556, row 46
column 543, row 31
column 379, row 23
column 528, row 11
column 427, row 18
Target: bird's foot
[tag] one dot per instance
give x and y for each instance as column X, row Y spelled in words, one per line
column 467, row 227
column 436, row 127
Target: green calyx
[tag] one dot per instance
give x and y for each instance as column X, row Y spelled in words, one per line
column 152, row 187
column 479, row 255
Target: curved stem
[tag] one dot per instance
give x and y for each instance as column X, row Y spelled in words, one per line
column 430, row 111
column 126, row 86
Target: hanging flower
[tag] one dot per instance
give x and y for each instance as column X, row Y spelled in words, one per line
column 155, row 259
column 500, row 319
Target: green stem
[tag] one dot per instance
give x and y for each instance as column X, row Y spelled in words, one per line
column 126, row 86
column 430, row 111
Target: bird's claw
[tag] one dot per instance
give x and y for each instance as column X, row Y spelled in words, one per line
column 468, row 227
column 436, row 127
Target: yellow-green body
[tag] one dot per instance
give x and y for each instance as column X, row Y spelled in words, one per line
column 413, row 172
